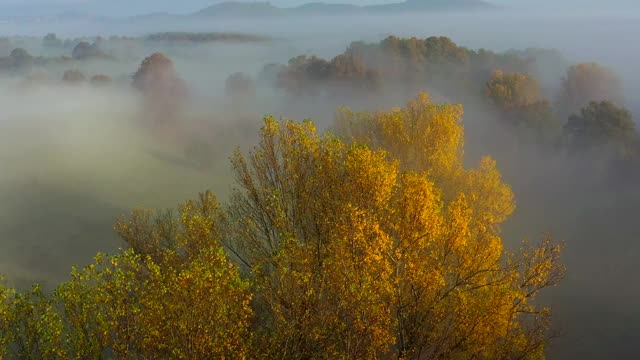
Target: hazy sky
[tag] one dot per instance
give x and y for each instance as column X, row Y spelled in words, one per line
column 132, row 7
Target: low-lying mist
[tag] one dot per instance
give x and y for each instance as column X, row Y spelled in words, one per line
column 74, row 156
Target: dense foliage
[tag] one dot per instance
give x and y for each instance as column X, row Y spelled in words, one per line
column 371, row 242
column 510, row 83
column 163, row 90
column 435, row 61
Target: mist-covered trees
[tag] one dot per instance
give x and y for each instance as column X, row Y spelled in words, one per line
column 590, row 82
column 312, row 75
column 518, row 97
column 511, row 91
column 73, row 77
column 164, row 91
column 20, row 60
column 602, row 124
column 240, row 86
column 511, row 81
column 156, row 73
column 84, row 50
column 51, row 41
column 187, row 37
column 412, row 64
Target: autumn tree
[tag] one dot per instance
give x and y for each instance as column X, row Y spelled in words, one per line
column 422, row 56
column 411, row 64
column 351, row 72
column 304, row 75
column 602, row 124
column 313, row 75
column 313, row 245
column 380, row 243
column 31, row 328
column 163, row 90
column 590, row 82
column 372, row 241
column 172, row 294
column 517, row 96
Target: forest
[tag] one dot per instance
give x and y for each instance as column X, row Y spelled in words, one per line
column 210, row 195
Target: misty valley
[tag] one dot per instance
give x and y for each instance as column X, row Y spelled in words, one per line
column 414, row 180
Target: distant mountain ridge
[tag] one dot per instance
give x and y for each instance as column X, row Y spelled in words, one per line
column 243, row 9
column 251, row 9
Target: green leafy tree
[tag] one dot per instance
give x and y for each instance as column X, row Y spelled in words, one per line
column 6, row 295
column 172, row 294
column 602, row 124
column 32, row 327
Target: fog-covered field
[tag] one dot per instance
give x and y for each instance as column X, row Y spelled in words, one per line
column 73, row 157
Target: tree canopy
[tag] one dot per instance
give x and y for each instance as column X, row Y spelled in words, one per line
column 602, row 124
column 509, row 91
column 591, row 82
column 383, row 244
column 85, row 50
column 518, row 98
column 371, row 241
column 163, row 89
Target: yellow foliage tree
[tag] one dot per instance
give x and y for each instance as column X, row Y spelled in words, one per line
column 375, row 242
column 5, row 306
column 384, row 244
column 172, row 294
column 30, row 328
column 429, row 138
column 308, row 226
column 511, row 91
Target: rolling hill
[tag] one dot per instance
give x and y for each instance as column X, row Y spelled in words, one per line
column 261, row 9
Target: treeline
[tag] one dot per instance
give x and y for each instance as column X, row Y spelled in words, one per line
column 20, row 55
column 368, row 241
column 535, row 92
column 205, row 37
column 21, row 62
column 413, row 62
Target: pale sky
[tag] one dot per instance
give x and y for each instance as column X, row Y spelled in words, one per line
column 133, row 7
